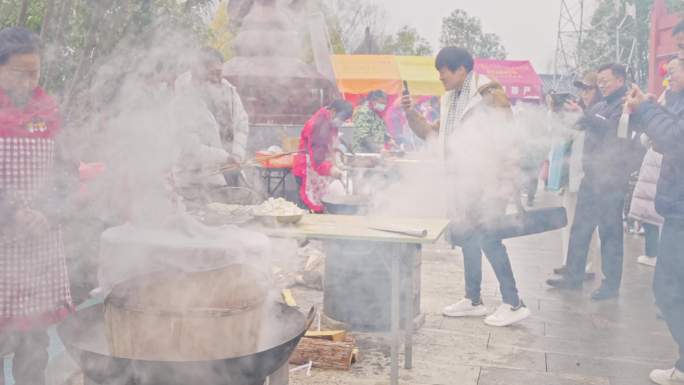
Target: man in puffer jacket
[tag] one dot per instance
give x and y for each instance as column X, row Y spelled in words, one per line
column 643, row 200
column 666, row 130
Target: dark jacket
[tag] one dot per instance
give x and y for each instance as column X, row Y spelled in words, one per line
column 674, row 102
column 666, row 130
column 607, row 160
column 642, row 207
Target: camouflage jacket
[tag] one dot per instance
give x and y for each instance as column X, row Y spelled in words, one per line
column 369, row 130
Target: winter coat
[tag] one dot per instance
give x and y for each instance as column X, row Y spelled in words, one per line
column 643, row 199
column 642, row 207
column 226, row 106
column 481, row 161
column 204, row 127
column 316, row 141
column 607, row 159
column 666, row 130
column 313, row 164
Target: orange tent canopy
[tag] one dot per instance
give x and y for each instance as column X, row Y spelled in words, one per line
column 361, row 74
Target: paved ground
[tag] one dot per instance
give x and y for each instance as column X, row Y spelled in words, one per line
column 568, row 340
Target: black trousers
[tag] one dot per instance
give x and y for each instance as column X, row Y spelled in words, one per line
column 30, row 357
column 668, row 282
column 530, row 182
column 603, row 209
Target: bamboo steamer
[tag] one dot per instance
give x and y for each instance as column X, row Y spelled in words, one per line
column 180, row 316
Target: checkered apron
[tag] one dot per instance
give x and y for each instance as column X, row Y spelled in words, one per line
column 34, row 286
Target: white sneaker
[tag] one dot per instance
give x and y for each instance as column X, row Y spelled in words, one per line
column 667, row 377
column 646, row 260
column 506, row 315
column 465, row 308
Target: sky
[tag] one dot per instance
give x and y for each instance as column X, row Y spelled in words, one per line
column 528, row 28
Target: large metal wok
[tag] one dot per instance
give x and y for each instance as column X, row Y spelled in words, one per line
column 346, row 204
column 84, row 336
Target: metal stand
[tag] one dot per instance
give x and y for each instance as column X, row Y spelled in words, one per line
column 394, row 356
column 277, row 176
column 410, row 291
column 409, row 252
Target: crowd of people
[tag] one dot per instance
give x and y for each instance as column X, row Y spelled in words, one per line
column 611, row 131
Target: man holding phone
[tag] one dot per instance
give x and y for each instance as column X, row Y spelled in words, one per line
column 606, row 163
column 469, row 98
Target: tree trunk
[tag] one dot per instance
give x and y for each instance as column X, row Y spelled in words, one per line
column 47, row 18
column 23, row 13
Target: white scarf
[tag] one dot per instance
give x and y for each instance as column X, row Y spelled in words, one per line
column 455, row 106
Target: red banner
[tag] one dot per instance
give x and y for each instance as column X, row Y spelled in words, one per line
column 517, row 76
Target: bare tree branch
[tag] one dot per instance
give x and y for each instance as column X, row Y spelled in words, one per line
column 91, row 42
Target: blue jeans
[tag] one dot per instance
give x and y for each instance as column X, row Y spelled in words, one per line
column 602, row 209
column 668, row 282
column 497, row 255
column 652, row 237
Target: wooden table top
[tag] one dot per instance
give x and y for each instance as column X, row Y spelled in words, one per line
column 347, row 227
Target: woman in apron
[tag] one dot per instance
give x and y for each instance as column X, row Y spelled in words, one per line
column 34, row 287
column 313, row 165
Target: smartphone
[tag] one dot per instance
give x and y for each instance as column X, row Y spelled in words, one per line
column 406, row 89
column 559, row 99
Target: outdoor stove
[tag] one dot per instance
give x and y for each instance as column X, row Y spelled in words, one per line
column 217, row 326
column 84, row 336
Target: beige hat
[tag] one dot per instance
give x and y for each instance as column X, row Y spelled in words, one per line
column 589, row 80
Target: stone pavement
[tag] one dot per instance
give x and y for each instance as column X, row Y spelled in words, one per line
column 568, row 340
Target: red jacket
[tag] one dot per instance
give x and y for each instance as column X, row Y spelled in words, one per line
column 316, row 141
column 41, row 113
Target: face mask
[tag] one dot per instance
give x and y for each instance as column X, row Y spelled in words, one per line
column 380, row 107
column 337, row 122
